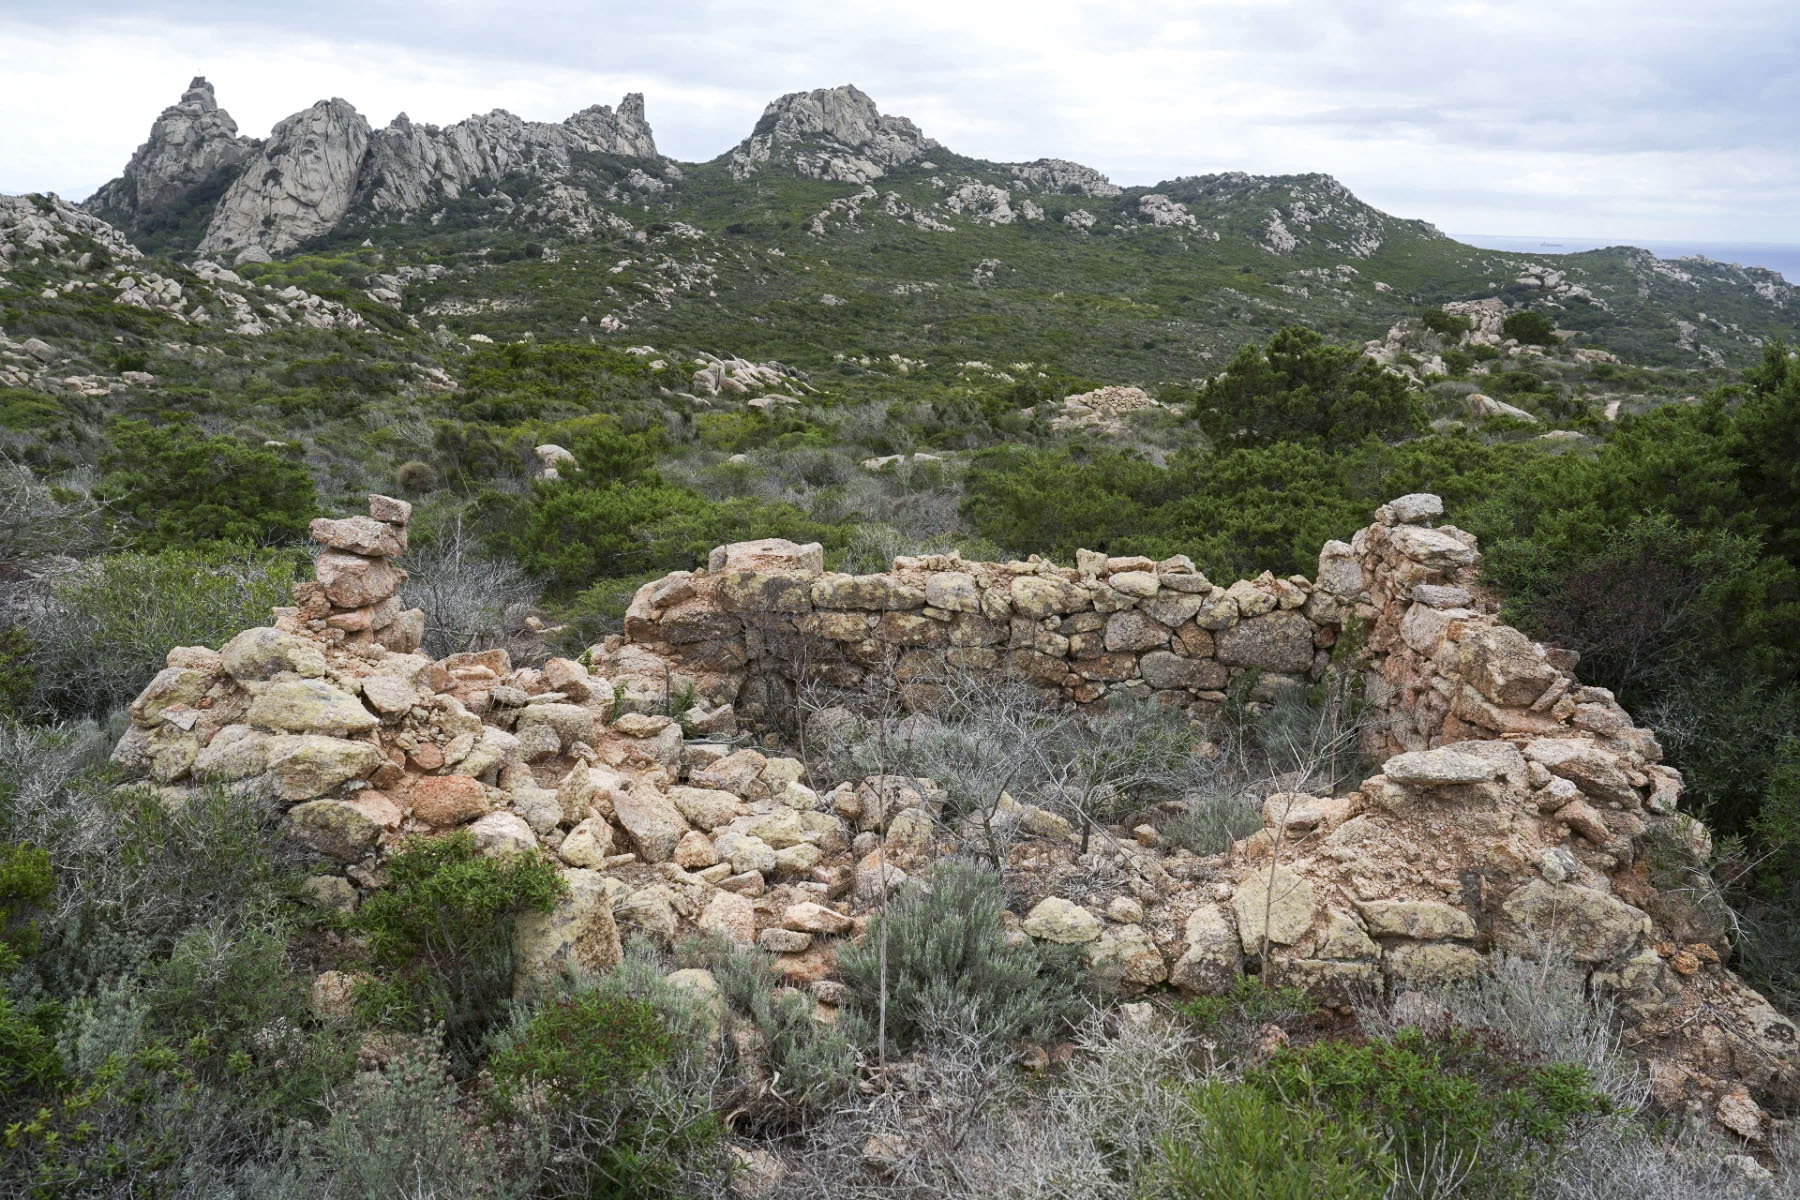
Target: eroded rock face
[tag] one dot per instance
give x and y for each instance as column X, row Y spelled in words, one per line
column 297, row 187
column 192, row 144
column 414, row 168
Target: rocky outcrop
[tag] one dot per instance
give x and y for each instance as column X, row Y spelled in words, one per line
column 324, row 164
column 80, row 255
column 1062, row 177
column 829, row 133
column 414, row 168
column 299, row 186
column 192, row 145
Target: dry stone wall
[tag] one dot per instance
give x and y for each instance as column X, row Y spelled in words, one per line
column 765, row 615
column 1514, row 810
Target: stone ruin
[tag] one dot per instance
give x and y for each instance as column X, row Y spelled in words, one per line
column 1514, row 808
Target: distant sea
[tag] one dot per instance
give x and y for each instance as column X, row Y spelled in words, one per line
column 1777, row 256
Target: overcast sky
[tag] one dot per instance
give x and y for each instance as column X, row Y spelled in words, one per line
column 1636, row 119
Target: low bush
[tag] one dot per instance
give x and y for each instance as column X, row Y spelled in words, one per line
column 1250, row 1002
column 404, row 1131
column 1246, row 1145
column 1531, row 327
column 1445, row 324
column 415, row 478
column 441, row 934
column 1300, row 389
column 1450, row 1108
column 95, row 636
column 949, row 973
column 815, row 1063
column 596, row 1065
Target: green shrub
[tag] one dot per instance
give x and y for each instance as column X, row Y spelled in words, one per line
column 1246, row 1145
column 133, row 1116
column 404, row 1131
column 415, row 478
column 1529, row 327
column 593, row 1060
column 229, row 996
column 1250, row 1002
column 17, row 675
column 950, row 971
column 30, row 1068
column 149, row 872
column 815, row 1062
column 1302, row 389
column 1451, row 1103
column 441, row 931
column 1445, row 324
column 26, row 880
column 176, row 486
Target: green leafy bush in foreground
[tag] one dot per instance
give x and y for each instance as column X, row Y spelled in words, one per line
column 441, row 933
column 597, row 1066
column 1246, row 1145
column 1445, row 1107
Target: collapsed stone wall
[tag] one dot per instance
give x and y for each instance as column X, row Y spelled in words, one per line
column 1514, row 808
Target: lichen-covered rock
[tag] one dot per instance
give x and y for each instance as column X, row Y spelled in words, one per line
column 1057, row 920
column 1213, row 962
column 578, row 934
column 707, row 808
column 1504, row 665
column 173, row 687
column 1278, row 641
column 309, row 706
column 334, row 828
column 731, row 916
column 653, row 823
column 360, row 535
column 304, row 766
column 1588, row 766
column 1126, row 955
column 500, row 834
column 1040, row 596
column 1437, row 768
column 235, row 752
column 572, row 722
column 1433, row 965
column 1426, row 920
column 588, row 844
column 1275, row 903
column 1587, row 925
column 356, row 581
column 263, row 653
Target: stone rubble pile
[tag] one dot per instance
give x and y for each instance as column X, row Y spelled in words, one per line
column 1514, row 808
column 1104, row 410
